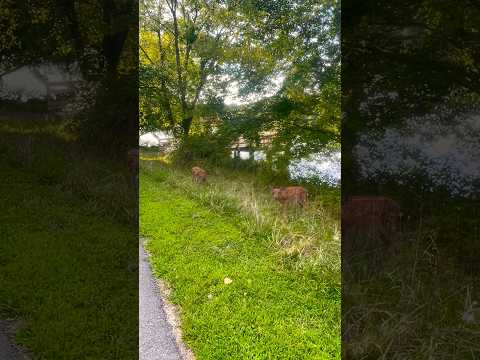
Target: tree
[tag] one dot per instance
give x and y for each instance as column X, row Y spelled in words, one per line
column 282, row 56
column 305, row 112
column 181, row 46
column 104, row 47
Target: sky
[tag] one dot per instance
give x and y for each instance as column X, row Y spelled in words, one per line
column 232, row 97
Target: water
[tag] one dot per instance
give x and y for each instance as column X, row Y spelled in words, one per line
column 440, row 148
column 319, row 168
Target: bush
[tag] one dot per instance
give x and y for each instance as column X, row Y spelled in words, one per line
column 203, row 150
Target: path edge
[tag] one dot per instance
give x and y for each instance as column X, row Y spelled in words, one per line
column 9, row 327
column 171, row 310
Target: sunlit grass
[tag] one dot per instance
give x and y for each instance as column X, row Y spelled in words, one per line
column 309, row 237
column 28, row 127
column 284, row 301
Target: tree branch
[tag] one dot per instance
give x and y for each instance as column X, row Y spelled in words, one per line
column 181, row 87
column 203, row 79
column 145, row 53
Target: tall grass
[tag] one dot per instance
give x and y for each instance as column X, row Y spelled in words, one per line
column 415, row 302
column 46, row 150
column 304, row 238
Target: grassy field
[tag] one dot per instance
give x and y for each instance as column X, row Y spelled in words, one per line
column 421, row 300
column 68, row 255
column 284, row 299
column 65, row 274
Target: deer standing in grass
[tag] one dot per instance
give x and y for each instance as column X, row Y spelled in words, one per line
column 290, row 195
column 199, row 175
column 375, row 218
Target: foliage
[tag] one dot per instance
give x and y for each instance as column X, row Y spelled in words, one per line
column 282, row 56
column 99, row 36
column 95, row 34
column 182, row 45
column 305, row 113
column 200, row 149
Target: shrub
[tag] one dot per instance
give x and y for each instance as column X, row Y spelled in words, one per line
column 201, row 149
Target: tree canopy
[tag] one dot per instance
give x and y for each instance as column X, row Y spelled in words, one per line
column 99, row 35
column 281, row 57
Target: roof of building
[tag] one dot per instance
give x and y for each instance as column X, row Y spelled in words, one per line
column 50, row 72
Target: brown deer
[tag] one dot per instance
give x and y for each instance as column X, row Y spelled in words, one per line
column 375, row 218
column 199, row 175
column 290, row 195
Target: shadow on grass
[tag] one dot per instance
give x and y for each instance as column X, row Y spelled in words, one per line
column 68, row 249
column 417, row 300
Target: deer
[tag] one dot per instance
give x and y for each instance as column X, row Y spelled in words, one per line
column 375, row 218
column 199, row 175
column 290, row 195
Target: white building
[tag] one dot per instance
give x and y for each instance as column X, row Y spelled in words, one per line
column 43, row 81
column 155, row 138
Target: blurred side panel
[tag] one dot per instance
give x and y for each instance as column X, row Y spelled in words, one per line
column 410, row 179
column 68, row 188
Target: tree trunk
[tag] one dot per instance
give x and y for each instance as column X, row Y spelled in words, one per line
column 186, row 125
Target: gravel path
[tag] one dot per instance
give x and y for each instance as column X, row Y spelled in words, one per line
column 7, row 350
column 156, row 339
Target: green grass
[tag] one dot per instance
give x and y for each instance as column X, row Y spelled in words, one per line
column 65, row 273
column 413, row 300
column 412, row 303
column 284, row 302
column 51, row 151
column 68, row 254
column 302, row 238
